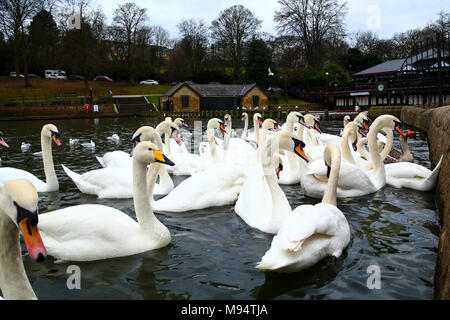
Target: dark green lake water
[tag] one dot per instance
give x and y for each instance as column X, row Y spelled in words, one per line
column 213, row 252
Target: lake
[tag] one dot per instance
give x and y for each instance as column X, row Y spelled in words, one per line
column 213, row 253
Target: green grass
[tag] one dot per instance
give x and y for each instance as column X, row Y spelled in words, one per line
column 289, row 101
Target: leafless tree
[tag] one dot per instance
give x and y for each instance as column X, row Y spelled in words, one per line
column 312, row 22
column 14, row 17
column 232, row 29
column 129, row 23
column 193, row 42
column 161, row 40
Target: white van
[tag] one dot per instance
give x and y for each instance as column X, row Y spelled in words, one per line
column 55, row 74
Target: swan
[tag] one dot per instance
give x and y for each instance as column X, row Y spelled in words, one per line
column 89, row 145
column 178, row 146
column 94, row 232
column 218, row 185
column 209, row 149
column 262, row 204
column 237, row 150
column 412, row 176
column 116, row 179
column 353, row 181
column 18, row 210
column 25, row 146
column 311, row 233
column 49, row 132
column 168, row 129
column 257, row 121
column 291, row 170
column 244, row 118
column 404, row 155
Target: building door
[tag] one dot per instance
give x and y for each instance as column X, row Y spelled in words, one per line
column 255, row 101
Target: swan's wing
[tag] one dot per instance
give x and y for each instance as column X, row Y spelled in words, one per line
column 406, row 170
column 307, row 220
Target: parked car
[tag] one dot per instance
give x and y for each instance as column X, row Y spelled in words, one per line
column 103, row 78
column 32, row 75
column 150, row 82
column 55, row 74
column 13, row 75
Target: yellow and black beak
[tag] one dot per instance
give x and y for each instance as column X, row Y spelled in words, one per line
column 298, row 149
column 32, row 239
column 160, row 157
column 397, row 128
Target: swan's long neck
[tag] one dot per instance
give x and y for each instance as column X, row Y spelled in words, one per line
column 245, row 132
column 361, row 148
column 212, row 144
column 226, row 138
column 141, row 199
column 379, row 176
column 404, row 146
column 167, row 142
column 346, row 153
column 13, row 278
column 330, row 192
column 49, row 168
column 256, row 128
column 389, row 142
column 312, row 137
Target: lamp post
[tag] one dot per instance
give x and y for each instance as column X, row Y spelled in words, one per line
column 326, row 90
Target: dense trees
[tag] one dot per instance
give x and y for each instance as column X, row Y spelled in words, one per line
column 312, row 48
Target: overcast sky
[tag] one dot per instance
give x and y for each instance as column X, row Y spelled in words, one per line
column 385, row 17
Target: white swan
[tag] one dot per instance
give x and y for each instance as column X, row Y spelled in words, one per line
column 94, row 232
column 49, row 132
column 178, row 146
column 244, row 117
column 311, row 233
column 115, row 180
column 114, row 138
column 353, row 180
column 257, row 121
column 291, row 169
column 262, row 204
column 18, row 210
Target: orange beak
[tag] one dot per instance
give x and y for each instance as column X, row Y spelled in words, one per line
column 56, row 140
column 365, row 125
column 260, row 121
column 410, row 133
column 397, row 127
column 243, row 117
column 301, row 153
column 222, row 127
column 33, row 241
column 316, row 126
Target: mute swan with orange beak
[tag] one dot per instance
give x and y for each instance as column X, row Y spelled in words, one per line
column 18, row 211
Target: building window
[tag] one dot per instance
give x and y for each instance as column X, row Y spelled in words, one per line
column 185, row 101
column 255, row 101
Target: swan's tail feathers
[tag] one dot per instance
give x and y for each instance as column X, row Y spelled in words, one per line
column 430, row 182
column 100, row 160
column 83, row 185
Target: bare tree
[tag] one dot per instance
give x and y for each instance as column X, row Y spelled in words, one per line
column 313, row 23
column 129, row 21
column 233, row 28
column 161, row 41
column 194, row 42
column 14, row 16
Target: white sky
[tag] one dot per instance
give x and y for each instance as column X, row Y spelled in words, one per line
column 384, row 17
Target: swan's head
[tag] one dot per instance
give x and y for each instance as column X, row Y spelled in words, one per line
column 147, row 152
column 389, row 121
column 146, row 133
column 179, row 122
column 330, row 154
column 20, row 203
column 257, row 117
column 244, row 116
column 280, row 167
column 313, row 122
column 296, row 116
column 270, row 124
column 227, row 120
column 351, row 129
column 363, row 119
column 286, row 141
column 50, row 131
column 215, row 123
column 3, row 142
column 346, row 120
column 170, row 128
